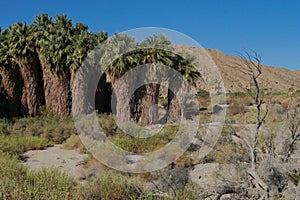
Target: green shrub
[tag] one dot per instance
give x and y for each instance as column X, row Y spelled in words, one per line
column 16, row 144
column 238, row 94
column 108, row 124
column 203, row 94
column 47, row 126
column 48, row 184
column 74, row 142
column 17, row 182
column 10, row 168
column 295, row 177
column 139, row 145
column 113, row 186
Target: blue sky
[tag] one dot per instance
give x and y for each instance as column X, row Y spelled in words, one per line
column 272, row 28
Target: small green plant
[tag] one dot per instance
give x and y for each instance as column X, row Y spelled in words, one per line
column 203, row 94
column 295, row 177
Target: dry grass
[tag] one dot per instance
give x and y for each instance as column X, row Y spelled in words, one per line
column 74, row 143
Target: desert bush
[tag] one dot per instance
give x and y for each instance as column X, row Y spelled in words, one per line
column 139, row 145
column 247, row 118
column 226, row 150
column 47, row 126
column 188, row 192
column 203, row 94
column 18, row 183
column 278, row 109
column 108, row 125
column 237, row 108
column 240, row 97
column 74, row 143
column 16, row 144
column 295, row 177
column 185, row 160
column 173, row 183
column 10, row 168
column 284, row 106
column 48, row 184
column 112, row 186
column 4, row 126
column 271, row 174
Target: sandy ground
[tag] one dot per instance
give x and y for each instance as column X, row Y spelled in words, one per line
column 69, row 161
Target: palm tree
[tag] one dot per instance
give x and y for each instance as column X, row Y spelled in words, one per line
column 154, row 52
column 118, row 63
column 11, row 79
column 54, row 46
column 62, row 49
column 183, row 64
column 43, row 26
column 157, row 50
column 83, row 41
column 21, row 44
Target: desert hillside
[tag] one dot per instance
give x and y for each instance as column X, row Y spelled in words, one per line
column 278, row 79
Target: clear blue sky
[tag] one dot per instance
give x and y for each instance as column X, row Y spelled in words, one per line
column 270, row 27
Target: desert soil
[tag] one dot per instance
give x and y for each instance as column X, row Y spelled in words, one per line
column 69, row 161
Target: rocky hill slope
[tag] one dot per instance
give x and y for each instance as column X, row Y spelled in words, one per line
column 278, row 79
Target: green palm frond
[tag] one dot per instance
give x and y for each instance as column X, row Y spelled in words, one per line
column 21, row 40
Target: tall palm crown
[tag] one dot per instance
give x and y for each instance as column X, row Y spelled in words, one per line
column 115, row 59
column 21, row 41
column 55, row 40
column 83, row 41
column 5, row 58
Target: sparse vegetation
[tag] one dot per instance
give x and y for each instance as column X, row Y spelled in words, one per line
column 142, row 145
column 16, row 144
column 47, row 126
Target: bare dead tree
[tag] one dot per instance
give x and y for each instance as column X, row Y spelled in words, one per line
column 293, row 117
column 252, row 67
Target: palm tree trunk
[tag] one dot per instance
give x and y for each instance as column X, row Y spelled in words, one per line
column 136, row 105
column 12, row 84
column 48, row 83
column 33, row 95
column 174, row 111
column 121, row 108
column 176, row 102
column 62, row 94
column 83, row 84
column 103, row 96
column 149, row 95
column 57, row 91
column 149, row 113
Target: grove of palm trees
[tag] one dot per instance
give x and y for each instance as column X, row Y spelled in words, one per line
column 39, row 60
